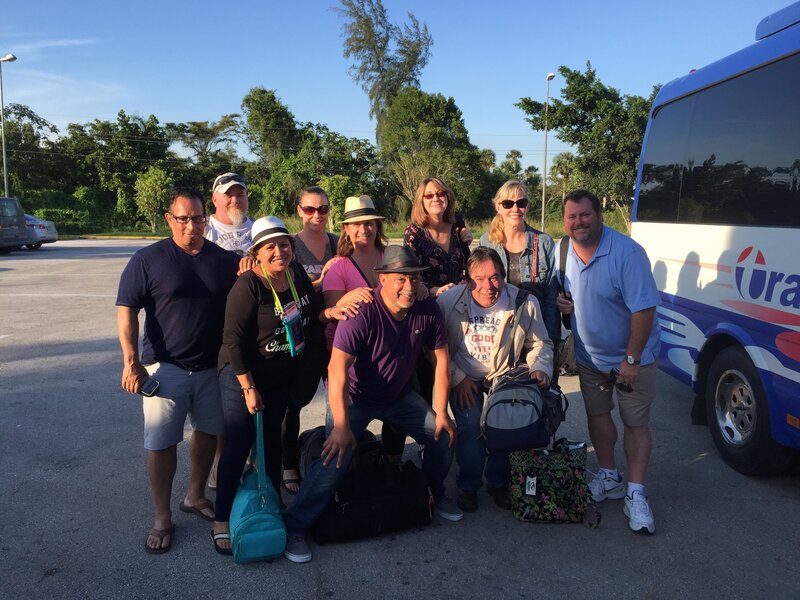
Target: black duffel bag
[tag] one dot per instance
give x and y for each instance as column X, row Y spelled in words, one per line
column 375, row 497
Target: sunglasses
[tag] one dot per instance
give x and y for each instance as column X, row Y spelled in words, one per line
column 183, row 219
column 310, row 210
column 612, row 381
column 227, row 179
column 430, row 195
column 522, row 203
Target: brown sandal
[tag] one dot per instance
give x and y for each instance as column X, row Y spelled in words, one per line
column 197, row 509
column 160, row 534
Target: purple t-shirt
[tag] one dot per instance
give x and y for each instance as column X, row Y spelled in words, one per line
column 386, row 349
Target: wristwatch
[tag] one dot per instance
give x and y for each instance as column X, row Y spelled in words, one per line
column 631, row 360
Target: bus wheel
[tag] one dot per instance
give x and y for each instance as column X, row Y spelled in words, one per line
column 738, row 416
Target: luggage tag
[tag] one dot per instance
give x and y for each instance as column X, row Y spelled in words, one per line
column 293, row 323
column 291, row 317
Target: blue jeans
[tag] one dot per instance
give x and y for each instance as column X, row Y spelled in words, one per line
column 471, row 449
column 410, row 414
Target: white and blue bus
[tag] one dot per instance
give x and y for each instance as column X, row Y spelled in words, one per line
column 717, row 208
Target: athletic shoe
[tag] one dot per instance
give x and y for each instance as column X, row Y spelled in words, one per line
column 607, row 487
column 297, row 549
column 501, row 496
column 447, row 509
column 638, row 511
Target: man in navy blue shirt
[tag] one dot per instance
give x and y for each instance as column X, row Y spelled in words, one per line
column 182, row 283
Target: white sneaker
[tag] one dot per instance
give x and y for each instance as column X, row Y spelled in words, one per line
column 447, row 509
column 606, row 487
column 638, row 511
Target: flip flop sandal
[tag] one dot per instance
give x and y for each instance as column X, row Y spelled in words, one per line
column 291, row 480
column 215, row 537
column 160, row 534
column 197, row 509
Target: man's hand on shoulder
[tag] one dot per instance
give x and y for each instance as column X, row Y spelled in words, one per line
column 336, row 445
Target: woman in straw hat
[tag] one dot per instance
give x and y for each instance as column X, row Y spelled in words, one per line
column 272, row 318
column 350, row 280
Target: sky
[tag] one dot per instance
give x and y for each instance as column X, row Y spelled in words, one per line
column 195, row 60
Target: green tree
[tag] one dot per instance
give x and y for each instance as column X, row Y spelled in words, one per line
column 511, row 167
column 269, row 127
column 122, row 150
column 564, row 172
column 28, row 150
column 386, row 57
column 605, row 126
column 425, row 136
column 338, row 188
column 152, row 193
column 211, row 145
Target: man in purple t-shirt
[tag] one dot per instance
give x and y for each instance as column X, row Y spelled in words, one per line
column 374, row 355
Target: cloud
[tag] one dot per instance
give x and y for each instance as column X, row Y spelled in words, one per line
column 62, row 99
column 34, row 48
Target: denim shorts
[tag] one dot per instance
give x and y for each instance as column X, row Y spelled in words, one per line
column 181, row 393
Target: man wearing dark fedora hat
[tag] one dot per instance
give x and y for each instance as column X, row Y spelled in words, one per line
column 374, row 355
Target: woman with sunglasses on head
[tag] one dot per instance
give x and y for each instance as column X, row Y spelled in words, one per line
column 437, row 236
column 528, row 254
column 272, row 317
column 440, row 240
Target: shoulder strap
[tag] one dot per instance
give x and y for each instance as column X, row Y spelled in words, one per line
column 360, row 272
column 519, row 302
column 562, row 259
column 535, row 261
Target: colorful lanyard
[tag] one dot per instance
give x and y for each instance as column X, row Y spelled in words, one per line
column 275, row 294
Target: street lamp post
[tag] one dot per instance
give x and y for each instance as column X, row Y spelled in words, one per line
column 544, row 167
column 6, row 58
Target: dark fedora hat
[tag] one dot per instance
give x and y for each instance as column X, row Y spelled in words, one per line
column 399, row 259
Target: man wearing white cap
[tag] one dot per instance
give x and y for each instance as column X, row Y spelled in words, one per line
column 230, row 226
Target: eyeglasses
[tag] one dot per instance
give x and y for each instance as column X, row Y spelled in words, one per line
column 522, row 203
column 310, row 210
column 223, row 179
column 183, row 219
column 429, row 195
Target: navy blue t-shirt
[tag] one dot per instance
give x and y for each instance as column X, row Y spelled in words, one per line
column 183, row 297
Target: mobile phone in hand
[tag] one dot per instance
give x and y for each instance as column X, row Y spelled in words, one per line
column 149, row 387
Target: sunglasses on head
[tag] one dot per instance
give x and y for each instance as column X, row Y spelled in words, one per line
column 522, row 203
column 310, row 210
column 430, row 195
column 228, row 178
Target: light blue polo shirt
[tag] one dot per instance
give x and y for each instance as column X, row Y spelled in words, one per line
column 616, row 283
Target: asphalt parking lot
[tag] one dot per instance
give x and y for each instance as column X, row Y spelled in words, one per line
column 72, row 472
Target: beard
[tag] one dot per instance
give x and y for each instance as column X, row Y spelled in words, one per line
column 237, row 216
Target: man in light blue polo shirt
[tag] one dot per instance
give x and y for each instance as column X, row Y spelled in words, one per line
column 611, row 297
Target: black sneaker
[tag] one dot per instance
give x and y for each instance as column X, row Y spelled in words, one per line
column 467, row 500
column 501, row 496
